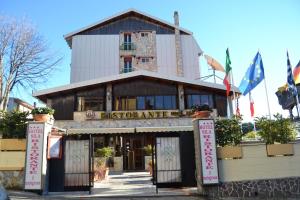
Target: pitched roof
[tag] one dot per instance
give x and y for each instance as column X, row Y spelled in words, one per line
column 120, row 16
column 65, row 88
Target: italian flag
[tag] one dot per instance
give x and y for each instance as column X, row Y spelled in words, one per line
column 226, row 80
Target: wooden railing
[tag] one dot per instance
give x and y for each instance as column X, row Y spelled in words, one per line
column 12, row 154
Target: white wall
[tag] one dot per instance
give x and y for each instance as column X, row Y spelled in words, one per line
column 94, row 56
column 166, row 55
column 190, row 57
column 255, row 164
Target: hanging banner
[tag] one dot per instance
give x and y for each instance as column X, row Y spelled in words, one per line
column 54, row 147
column 34, row 157
column 208, row 152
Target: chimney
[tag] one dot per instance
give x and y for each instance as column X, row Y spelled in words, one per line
column 179, row 64
column 176, row 18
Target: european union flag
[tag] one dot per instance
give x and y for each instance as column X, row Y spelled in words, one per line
column 254, row 75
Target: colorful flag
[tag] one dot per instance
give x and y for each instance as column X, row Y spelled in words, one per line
column 226, row 80
column 290, row 78
column 214, row 63
column 297, row 73
column 254, row 75
column 251, row 105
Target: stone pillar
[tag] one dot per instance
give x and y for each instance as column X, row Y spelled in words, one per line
column 108, row 98
column 180, row 97
column 179, row 63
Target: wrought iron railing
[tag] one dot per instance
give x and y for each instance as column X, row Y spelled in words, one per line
column 128, row 46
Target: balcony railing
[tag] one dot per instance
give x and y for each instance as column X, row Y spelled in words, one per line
column 126, row 70
column 128, row 46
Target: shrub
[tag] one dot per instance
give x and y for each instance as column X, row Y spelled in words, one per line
column 228, row 132
column 42, row 110
column 13, row 124
column 148, row 150
column 104, row 152
column 250, row 135
column 203, row 107
column 278, row 130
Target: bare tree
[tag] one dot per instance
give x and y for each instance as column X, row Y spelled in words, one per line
column 25, row 60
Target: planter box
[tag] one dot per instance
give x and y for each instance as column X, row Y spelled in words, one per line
column 280, row 149
column 147, row 159
column 229, row 152
column 118, row 164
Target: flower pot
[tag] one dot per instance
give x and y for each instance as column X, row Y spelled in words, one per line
column 201, row 114
column 280, row 149
column 41, row 117
column 229, row 152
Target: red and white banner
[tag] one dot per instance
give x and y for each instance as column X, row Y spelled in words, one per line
column 208, row 152
column 34, row 157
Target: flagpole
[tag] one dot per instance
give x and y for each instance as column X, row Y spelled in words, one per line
column 233, row 89
column 267, row 98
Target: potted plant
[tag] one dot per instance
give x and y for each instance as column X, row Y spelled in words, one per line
column 102, row 162
column 201, row 111
column 42, row 114
column 276, row 133
column 228, row 137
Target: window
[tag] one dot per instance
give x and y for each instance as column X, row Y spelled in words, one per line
column 127, row 64
column 199, row 99
column 146, row 103
column 145, row 59
column 127, row 41
column 149, row 102
column 144, row 34
column 140, row 103
column 90, row 103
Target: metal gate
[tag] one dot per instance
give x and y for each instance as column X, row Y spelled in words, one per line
column 168, row 164
column 78, row 168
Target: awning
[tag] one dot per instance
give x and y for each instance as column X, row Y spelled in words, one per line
column 163, row 129
column 100, row 130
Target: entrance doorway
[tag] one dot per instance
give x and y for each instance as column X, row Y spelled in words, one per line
column 133, row 153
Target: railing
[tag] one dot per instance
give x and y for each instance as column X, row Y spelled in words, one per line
column 128, row 46
column 126, row 70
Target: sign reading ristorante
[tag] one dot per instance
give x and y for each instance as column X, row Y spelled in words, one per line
column 153, row 114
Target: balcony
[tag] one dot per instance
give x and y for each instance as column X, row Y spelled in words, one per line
column 128, row 46
column 126, row 70
column 127, row 49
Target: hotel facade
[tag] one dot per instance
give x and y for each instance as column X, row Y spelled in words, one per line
column 133, row 78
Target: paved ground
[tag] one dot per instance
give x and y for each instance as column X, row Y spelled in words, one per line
column 125, row 186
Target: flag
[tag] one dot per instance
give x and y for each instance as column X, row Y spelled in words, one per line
column 297, row 73
column 290, row 78
column 226, row 80
column 254, row 75
column 214, row 64
column 251, row 105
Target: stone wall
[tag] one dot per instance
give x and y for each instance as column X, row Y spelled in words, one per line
column 12, row 179
column 269, row 188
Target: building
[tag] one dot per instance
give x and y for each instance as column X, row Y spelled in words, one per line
column 19, row 105
column 134, row 77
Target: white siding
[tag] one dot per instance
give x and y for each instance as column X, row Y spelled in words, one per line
column 166, row 55
column 94, row 56
column 190, row 57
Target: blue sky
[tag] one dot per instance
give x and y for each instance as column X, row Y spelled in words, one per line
column 270, row 26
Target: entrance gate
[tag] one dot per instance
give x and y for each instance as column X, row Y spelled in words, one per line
column 168, row 161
